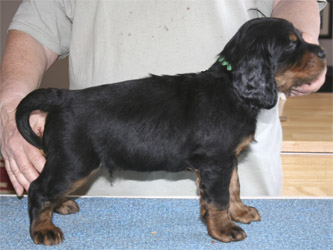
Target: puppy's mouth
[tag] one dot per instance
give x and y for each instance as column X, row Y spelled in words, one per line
column 306, row 71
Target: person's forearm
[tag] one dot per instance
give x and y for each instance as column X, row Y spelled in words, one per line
column 23, row 64
column 22, row 67
column 304, row 14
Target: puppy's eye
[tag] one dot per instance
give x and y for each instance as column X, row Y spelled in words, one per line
column 291, row 45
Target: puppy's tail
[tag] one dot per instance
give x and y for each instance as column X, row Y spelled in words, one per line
column 46, row 100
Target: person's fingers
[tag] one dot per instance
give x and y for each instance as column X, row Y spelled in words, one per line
column 294, row 93
column 16, row 185
column 306, row 89
column 24, row 168
column 35, row 157
column 19, row 175
column 22, row 160
column 19, row 164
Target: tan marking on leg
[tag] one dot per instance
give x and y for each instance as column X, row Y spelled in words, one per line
column 68, row 207
column 202, row 207
column 238, row 211
column 81, row 182
column 218, row 221
column 43, row 231
column 244, row 143
column 220, row 226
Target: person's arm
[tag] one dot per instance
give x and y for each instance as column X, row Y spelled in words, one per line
column 23, row 64
column 305, row 17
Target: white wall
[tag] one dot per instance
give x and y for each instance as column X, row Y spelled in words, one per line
column 328, row 45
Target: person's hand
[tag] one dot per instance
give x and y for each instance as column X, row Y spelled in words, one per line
column 314, row 86
column 23, row 161
column 19, row 76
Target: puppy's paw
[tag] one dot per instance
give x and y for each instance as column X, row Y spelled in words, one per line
column 243, row 214
column 228, row 233
column 47, row 236
column 68, row 207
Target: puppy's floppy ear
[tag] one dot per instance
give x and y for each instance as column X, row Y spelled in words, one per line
column 252, row 65
column 253, row 79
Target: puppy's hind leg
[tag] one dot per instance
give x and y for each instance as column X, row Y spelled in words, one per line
column 47, row 194
column 41, row 204
column 67, row 207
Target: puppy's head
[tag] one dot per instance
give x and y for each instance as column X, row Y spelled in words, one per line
column 267, row 55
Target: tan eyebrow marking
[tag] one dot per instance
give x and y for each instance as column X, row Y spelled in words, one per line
column 293, row 37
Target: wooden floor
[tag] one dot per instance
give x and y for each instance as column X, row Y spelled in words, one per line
column 307, row 150
column 307, row 175
column 309, row 127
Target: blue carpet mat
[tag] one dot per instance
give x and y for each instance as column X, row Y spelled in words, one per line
column 115, row 223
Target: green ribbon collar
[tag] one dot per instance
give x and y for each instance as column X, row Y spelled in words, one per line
column 225, row 63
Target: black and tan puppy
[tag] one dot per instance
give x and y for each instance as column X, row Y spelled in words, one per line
column 192, row 121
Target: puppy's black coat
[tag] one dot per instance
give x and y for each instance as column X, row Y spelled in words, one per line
column 197, row 121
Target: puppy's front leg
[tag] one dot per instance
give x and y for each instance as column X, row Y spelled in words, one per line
column 238, row 211
column 214, row 192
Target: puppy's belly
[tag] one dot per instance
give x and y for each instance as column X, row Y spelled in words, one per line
column 145, row 159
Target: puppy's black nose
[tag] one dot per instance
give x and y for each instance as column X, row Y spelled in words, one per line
column 321, row 53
